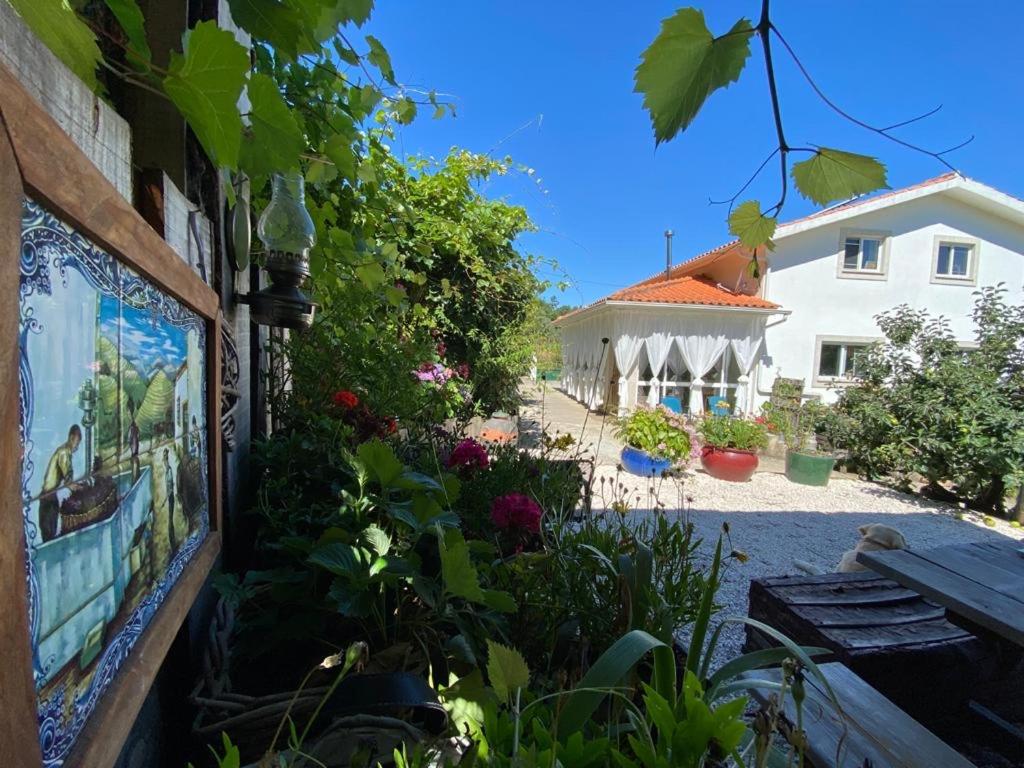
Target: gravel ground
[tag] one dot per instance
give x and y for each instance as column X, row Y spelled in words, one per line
column 775, row 522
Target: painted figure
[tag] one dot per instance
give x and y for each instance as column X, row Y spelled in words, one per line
column 169, row 485
column 134, row 439
column 195, row 441
column 59, row 471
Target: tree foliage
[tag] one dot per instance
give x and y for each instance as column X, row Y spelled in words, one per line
column 926, row 407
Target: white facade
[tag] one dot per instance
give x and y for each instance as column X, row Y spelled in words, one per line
column 828, row 306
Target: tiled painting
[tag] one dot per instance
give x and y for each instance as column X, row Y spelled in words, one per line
column 114, row 474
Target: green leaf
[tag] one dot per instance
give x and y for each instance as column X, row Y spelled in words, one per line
column 340, row 559
column 506, row 669
column 276, row 141
column 67, row 36
column 380, row 461
column 751, row 226
column 500, row 601
column 378, row 540
column 460, row 577
column 354, row 11
column 205, row 84
column 836, row 175
column 129, row 16
column 371, row 275
column 405, row 110
column 684, row 65
column 605, row 674
column 338, row 149
column 379, row 57
column 272, row 22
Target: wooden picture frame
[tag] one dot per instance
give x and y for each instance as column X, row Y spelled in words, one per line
column 40, row 162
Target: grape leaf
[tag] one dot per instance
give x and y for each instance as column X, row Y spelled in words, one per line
column 836, row 175
column 354, row 11
column 751, row 226
column 338, row 149
column 684, row 65
column 460, row 577
column 379, row 57
column 276, row 140
column 129, row 16
column 205, row 84
column 506, row 669
column 271, row 21
column 66, row 35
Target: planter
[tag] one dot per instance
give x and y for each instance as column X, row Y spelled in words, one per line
column 809, row 468
column 728, row 463
column 641, row 463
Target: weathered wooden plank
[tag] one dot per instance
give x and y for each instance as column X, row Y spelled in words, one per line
column 870, row 616
column 869, row 727
column 979, row 604
column 974, row 564
column 880, row 592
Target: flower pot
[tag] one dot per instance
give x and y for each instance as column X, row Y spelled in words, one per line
column 728, row 463
column 641, row 463
column 808, row 468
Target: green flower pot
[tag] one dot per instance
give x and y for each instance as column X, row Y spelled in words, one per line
column 809, row 468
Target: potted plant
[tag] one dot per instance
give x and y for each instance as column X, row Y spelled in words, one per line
column 730, row 446
column 655, row 438
column 806, row 464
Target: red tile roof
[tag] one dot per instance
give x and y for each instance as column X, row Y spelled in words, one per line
column 690, row 290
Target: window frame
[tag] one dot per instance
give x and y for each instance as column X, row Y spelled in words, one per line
column 845, row 342
column 971, row 278
column 882, row 236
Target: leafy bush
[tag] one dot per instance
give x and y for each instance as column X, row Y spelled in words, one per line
column 724, row 431
column 657, row 431
column 924, row 407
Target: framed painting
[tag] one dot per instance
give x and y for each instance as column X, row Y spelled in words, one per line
column 110, row 473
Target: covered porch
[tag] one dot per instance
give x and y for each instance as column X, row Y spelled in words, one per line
column 690, row 353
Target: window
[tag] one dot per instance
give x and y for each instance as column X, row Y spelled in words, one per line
column 862, row 254
column 839, row 360
column 955, row 261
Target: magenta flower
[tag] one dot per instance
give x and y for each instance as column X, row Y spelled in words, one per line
column 515, row 510
column 468, row 454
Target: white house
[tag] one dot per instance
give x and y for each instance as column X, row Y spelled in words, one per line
column 707, row 328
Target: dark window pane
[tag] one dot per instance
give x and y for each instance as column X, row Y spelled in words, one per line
column 854, row 357
column 852, row 255
column 829, row 365
column 942, row 268
column 869, row 250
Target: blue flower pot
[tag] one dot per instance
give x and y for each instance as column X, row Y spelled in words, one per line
column 641, row 463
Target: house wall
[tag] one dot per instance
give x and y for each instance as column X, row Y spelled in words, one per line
column 803, row 277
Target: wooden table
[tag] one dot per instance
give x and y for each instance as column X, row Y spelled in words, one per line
column 981, row 583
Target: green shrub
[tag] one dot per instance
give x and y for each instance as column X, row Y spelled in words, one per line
column 925, row 407
column 657, row 431
column 723, row 431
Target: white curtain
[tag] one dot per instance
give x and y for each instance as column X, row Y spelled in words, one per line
column 746, row 348
column 705, row 340
column 659, row 344
column 627, row 347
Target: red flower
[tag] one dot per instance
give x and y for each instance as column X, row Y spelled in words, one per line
column 388, row 426
column 345, row 398
column 441, row 349
column 462, row 369
column 515, row 510
column 469, row 454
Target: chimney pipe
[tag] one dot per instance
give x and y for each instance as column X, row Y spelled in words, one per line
column 668, row 254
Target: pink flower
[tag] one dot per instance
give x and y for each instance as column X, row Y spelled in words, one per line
column 515, row 510
column 469, row 454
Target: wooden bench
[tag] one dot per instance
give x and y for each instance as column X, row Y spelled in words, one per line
column 870, row 731
column 893, row 638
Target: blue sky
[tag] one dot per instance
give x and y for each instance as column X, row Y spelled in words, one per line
column 144, row 341
column 550, row 83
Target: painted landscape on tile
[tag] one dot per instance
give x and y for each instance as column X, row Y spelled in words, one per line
column 114, row 475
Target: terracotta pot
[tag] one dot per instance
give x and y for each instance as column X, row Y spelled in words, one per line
column 728, row 463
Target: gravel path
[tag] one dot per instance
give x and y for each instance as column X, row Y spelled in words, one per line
column 772, row 520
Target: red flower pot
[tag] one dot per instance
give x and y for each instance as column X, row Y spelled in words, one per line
column 728, row 463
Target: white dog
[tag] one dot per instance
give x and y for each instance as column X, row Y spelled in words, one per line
column 874, row 537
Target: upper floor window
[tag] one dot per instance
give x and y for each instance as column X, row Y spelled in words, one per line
column 955, row 260
column 863, row 254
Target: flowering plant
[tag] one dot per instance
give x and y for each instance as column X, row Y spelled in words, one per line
column 733, row 432
column 516, row 513
column 469, row 455
column 659, row 432
column 345, row 398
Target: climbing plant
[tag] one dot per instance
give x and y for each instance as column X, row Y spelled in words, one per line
column 686, row 63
